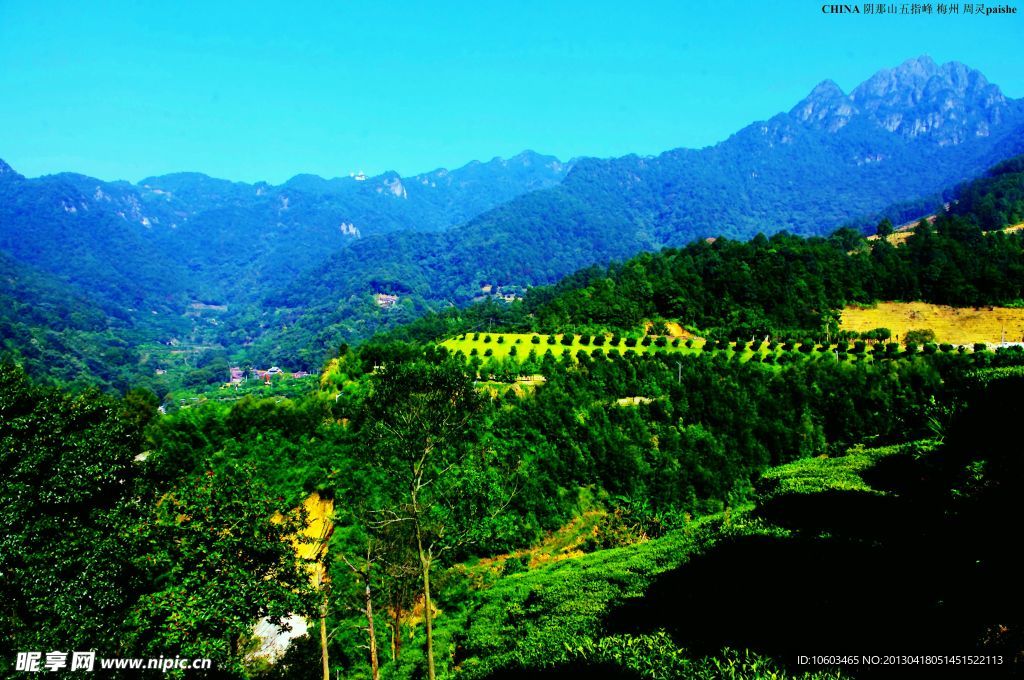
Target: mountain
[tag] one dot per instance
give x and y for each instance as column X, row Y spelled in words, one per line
column 148, row 253
column 294, row 270
column 906, row 133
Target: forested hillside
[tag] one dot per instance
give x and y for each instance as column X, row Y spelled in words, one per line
column 785, row 286
column 295, row 270
column 833, row 159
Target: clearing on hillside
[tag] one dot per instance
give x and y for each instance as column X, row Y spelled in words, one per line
column 955, row 325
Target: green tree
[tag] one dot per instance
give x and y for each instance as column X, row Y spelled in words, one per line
column 421, row 419
column 218, row 561
column 68, row 486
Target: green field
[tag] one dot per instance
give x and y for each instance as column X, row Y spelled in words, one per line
column 500, row 346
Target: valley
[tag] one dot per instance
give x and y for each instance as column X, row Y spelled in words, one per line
column 688, row 415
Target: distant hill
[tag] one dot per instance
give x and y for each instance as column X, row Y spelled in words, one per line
column 143, row 253
column 905, row 133
column 300, row 266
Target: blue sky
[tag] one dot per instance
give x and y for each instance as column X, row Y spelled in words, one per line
column 253, row 91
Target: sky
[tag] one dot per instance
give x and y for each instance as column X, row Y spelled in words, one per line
column 256, row 91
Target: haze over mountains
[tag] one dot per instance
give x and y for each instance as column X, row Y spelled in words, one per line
column 298, row 265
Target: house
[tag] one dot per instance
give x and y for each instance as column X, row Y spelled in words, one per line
column 385, row 301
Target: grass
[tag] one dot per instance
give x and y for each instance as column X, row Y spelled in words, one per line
column 551, row 613
column 955, row 325
column 821, row 474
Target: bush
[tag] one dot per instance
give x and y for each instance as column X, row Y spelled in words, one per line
column 597, row 353
column 980, row 347
column 487, row 338
column 946, row 347
column 787, row 346
column 929, row 348
column 567, row 339
column 598, row 340
column 739, row 346
column 488, row 352
column 630, row 342
column 892, row 347
column 920, row 336
column 646, row 342
column 689, row 343
column 661, row 341
column 501, row 339
column 675, row 343
column 858, row 347
column 473, row 352
column 476, row 336
column 911, row 348
column 512, row 351
column 616, row 339
column 535, row 340
column 584, row 340
column 552, row 340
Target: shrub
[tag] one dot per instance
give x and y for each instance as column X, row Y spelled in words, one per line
column 512, row 351
column 598, row 353
column 584, row 340
column 646, row 342
column 567, row 339
column 892, row 347
column 488, row 352
column 476, row 336
column 473, row 352
column 501, row 339
column 616, row 339
column 630, row 342
column 911, row 348
column 739, row 346
column 535, row 340
column 689, row 343
column 487, row 338
column 929, row 348
column 920, row 336
column 598, row 340
column 552, row 340
column 661, row 341
column 858, row 347
column 946, row 347
column 980, row 347
column 787, row 346
column 675, row 343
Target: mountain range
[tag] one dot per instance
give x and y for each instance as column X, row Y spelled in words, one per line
column 286, row 273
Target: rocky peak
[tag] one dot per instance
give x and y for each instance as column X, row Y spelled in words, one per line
column 945, row 104
column 919, row 97
column 826, row 106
